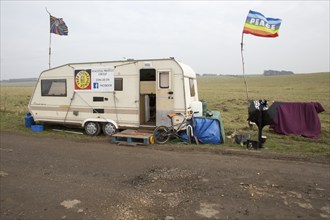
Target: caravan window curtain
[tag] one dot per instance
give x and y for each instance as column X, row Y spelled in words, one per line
column 192, row 87
column 118, row 84
column 164, row 80
column 53, row 87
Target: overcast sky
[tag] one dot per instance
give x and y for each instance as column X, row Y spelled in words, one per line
column 203, row 34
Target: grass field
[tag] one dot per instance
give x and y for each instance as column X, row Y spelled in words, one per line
column 225, row 94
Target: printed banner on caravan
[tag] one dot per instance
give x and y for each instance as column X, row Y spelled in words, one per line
column 94, row 79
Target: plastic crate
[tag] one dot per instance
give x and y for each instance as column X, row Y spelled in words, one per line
column 37, row 128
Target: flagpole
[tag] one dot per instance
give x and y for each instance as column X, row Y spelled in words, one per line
column 50, row 49
column 50, row 45
column 246, row 86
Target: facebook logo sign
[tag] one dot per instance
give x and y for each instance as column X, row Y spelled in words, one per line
column 95, row 85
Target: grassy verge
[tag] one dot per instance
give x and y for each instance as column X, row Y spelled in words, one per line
column 225, row 94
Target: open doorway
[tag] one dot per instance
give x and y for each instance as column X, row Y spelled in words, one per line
column 148, row 97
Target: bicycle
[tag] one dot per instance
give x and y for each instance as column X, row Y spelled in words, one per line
column 162, row 134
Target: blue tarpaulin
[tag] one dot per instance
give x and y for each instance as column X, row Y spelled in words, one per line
column 207, row 131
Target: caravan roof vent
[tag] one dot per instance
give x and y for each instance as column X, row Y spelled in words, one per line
column 147, row 64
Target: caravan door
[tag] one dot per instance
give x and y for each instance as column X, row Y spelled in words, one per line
column 164, row 97
column 147, row 97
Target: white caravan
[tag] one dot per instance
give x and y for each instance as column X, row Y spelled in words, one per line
column 115, row 94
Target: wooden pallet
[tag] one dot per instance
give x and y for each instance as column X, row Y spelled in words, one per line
column 133, row 137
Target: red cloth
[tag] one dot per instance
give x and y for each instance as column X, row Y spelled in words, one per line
column 298, row 118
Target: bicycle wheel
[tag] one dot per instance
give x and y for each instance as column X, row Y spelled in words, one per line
column 161, row 134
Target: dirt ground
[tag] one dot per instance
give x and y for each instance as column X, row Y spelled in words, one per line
column 55, row 178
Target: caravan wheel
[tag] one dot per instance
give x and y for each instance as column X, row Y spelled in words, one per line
column 109, row 129
column 92, row 128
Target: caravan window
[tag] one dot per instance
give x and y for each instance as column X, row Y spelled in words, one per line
column 53, row 87
column 164, row 79
column 118, row 84
column 192, row 87
column 147, row 75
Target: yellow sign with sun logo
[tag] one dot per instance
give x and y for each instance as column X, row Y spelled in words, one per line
column 99, row 79
column 82, row 79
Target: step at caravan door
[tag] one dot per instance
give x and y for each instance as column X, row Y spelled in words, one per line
column 164, row 97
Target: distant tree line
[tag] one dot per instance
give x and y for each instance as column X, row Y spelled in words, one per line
column 210, row 74
column 266, row 73
column 20, row 80
column 276, row 72
column 215, row 75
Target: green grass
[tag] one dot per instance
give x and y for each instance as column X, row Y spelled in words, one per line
column 225, row 94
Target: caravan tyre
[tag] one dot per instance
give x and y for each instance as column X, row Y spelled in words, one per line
column 109, row 129
column 92, row 128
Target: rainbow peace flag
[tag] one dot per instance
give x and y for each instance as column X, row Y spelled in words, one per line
column 257, row 24
column 58, row 26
